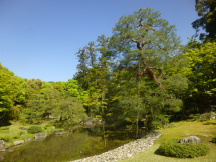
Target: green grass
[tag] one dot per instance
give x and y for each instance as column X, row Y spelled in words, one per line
column 16, row 130
column 204, row 130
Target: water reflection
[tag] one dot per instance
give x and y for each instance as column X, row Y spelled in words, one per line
column 78, row 143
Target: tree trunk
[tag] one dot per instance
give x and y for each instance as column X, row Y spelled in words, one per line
column 151, row 74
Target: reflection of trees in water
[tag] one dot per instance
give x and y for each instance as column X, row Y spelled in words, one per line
column 2, row 154
column 78, row 143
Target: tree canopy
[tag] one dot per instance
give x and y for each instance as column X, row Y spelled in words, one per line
column 206, row 9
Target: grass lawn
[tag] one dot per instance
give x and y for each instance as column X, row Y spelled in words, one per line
column 204, row 130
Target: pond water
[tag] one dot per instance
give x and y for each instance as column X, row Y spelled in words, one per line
column 78, row 143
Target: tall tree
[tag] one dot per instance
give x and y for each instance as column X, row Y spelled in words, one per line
column 145, row 41
column 97, row 66
column 206, row 9
column 145, row 38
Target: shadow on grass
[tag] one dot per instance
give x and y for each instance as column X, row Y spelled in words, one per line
column 4, row 123
column 157, row 152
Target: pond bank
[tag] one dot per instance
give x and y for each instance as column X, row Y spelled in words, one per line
column 125, row 151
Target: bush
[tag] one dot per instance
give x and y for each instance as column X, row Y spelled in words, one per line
column 183, row 150
column 4, row 128
column 47, row 126
column 15, row 136
column 214, row 139
column 5, row 137
column 34, row 129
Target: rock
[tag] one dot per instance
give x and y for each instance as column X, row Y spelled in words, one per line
column 22, row 135
column 10, row 151
column 98, row 121
column 40, row 136
column 18, row 142
column 60, row 133
column 2, row 145
column 27, row 140
column 88, row 121
column 193, row 139
column 208, row 115
column 150, row 134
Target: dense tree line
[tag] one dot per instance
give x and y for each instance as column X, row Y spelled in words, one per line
column 32, row 101
column 140, row 73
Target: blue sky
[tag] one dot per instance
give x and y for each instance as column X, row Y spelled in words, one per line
column 39, row 38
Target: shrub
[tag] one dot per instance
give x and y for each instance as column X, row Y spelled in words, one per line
column 34, row 129
column 47, row 126
column 15, row 136
column 214, row 139
column 21, row 132
column 183, row 150
column 4, row 128
column 194, row 116
column 5, row 137
column 21, row 127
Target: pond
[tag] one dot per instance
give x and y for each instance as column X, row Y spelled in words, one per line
column 80, row 142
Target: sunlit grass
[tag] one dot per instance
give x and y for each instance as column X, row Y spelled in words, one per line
column 204, row 130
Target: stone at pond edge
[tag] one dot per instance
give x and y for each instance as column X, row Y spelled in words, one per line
column 22, row 135
column 193, row 139
column 60, row 133
column 10, row 151
column 27, row 140
column 18, row 142
column 2, row 145
column 40, row 136
column 88, row 121
column 123, row 152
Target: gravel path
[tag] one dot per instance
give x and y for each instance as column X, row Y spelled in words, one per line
column 123, row 152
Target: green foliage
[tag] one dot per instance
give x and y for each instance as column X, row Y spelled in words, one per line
column 145, row 43
column 21, row 132
column 183, row 150
column 214, row 140
column 69, row 112
column 93, row 75
column 4, row 128
column 206, row 9
column 202, row 77
column 194, row 116
column 6, row 137
column 12, row 90
column 34, row 129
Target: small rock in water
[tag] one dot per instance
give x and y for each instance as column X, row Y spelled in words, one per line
column 22, row 135
column 10, row 151
column 40, row 136
column 18, row 142
column 2, row 145
column 60, row 133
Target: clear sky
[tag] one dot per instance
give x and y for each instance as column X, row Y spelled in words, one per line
column 39, row 38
